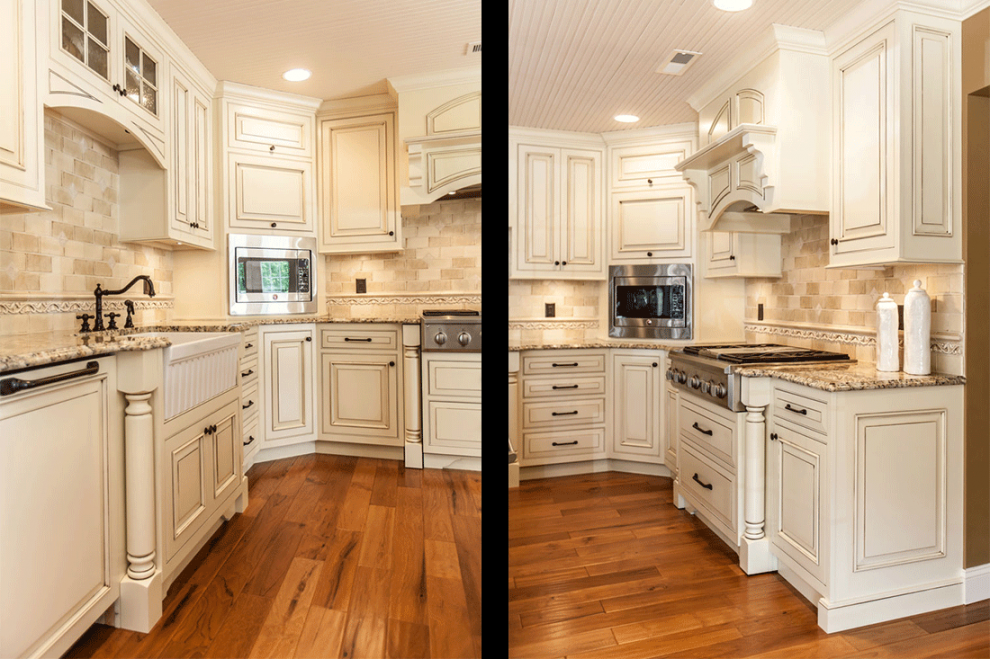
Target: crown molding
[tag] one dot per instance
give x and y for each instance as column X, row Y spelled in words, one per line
column 417, row 81
column 357, row 105
column 557, row 137
column 685, row 131
column 235, row 90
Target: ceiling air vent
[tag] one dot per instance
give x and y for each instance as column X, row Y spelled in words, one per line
column 677, row 62
column 473, row 47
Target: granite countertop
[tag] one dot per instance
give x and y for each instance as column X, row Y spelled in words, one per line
column 46, row 348
column 578, row 344
column 847, row 377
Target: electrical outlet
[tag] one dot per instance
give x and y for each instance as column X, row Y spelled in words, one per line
column 551, row 309
column 759, row 312
column 362, row 286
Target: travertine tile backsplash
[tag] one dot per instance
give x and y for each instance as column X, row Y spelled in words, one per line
column 51, row 261
column 439, row 268
column 810, row 296
column 577, row 308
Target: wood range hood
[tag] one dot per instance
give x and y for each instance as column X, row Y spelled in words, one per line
column 764, row 127
column 440, row 126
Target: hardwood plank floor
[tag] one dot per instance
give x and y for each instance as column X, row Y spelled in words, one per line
column 334, row 557
column 603, row 565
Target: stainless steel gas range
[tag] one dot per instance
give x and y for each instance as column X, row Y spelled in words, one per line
column 706, row 370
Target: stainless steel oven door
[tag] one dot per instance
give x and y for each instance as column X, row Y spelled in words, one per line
column 271, row 275
column 650, row 301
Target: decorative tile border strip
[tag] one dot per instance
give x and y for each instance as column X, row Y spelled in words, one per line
column 937, row 345
column 552, row 324
column 405, row 298
column 17, row 307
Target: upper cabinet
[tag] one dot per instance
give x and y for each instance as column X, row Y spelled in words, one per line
column 102, row 61
column 555, row 206
column 359, row 210
column 896, row 115
column 268, row 141
column 22, row 140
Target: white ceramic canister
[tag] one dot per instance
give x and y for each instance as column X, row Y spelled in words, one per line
column 917, row 331
column 887, row 358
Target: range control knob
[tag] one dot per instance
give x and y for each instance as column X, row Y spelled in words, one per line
column 706, row 387
column 719, row 391
column 695, row 382
column 681, row 376
column 440, row 338
column 670, row 374
column 464, row 338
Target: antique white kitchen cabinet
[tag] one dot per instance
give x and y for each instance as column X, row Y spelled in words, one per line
column 452, row 407
column 652, row 226
column 360, row 378
column 358, row 191
column 637, row 401
column 268, row 144
column 896, row 145
column 741, row 254
column 250, row 395
column 61, row 506
column 864, row 499
column 102, row 59
column 555, row 205
column 22, row 138
column 288, row 384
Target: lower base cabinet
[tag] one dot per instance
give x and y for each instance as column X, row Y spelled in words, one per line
column 61, row 513
column 452, row 404
column 288, row 384
column 637, row 390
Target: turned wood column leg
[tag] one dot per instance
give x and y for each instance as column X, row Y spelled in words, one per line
column 514, row 417
column 139, row 484
column 413, row 406
column 755, row 508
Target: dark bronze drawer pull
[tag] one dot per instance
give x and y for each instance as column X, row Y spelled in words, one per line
column 250, row 439
column 702, row 431
column 244, row 375
column 556, row 365
column 564, row 443
column 13, row 385
column 794, row 409
column 250, row 345
column 250, row 403
column 347, row 338
column 707, row 486
column 570, row 386
column 564, row 413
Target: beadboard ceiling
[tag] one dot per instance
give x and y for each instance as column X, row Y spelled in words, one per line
column 573, row 65
column 351, row 46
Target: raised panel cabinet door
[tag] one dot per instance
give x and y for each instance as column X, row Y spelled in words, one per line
column 583, row 239
column 269, row 131
column 288, row 389
column 188, row 487
column 359, row 396
column 226, row 456
column 538, row 214
column 864, row 124
column 54, row 496
column 266, row 192
column 670, row 429
column 452, row 428
column 636, row 423
column 182, row 181
column 722, row 252
column 357, row 181
column 798, row 479
column 201, row 166
column 651, row 225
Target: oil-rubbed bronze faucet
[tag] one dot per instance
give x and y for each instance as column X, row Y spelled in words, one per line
column 149, row 290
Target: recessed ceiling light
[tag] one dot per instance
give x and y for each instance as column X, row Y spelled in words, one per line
column 626, row 118
column 732, row 5
column 296, row 75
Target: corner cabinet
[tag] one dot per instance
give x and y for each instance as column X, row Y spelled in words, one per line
column 359, row 210
column 556, row 201
column 287, row 382
column 22, row 137
column 637, row 391
column 896, row 150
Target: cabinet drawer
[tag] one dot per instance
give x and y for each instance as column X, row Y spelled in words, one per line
column 250, row 434
column 249, row 370
column 592, row 385
column 563, row 412
column 250, row 401
column 709, row 432
column 564, row 363
column 710, row 486
column 800, row 410
column 563, row 446
column 260, row 129
column 360, row 339
column 457, row 379
column 251, row 344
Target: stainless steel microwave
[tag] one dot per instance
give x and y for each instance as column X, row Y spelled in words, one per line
column 650, row 301
column 272, row 275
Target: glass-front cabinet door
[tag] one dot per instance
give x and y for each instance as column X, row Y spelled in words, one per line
column 140, row 76
column 84, row 30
